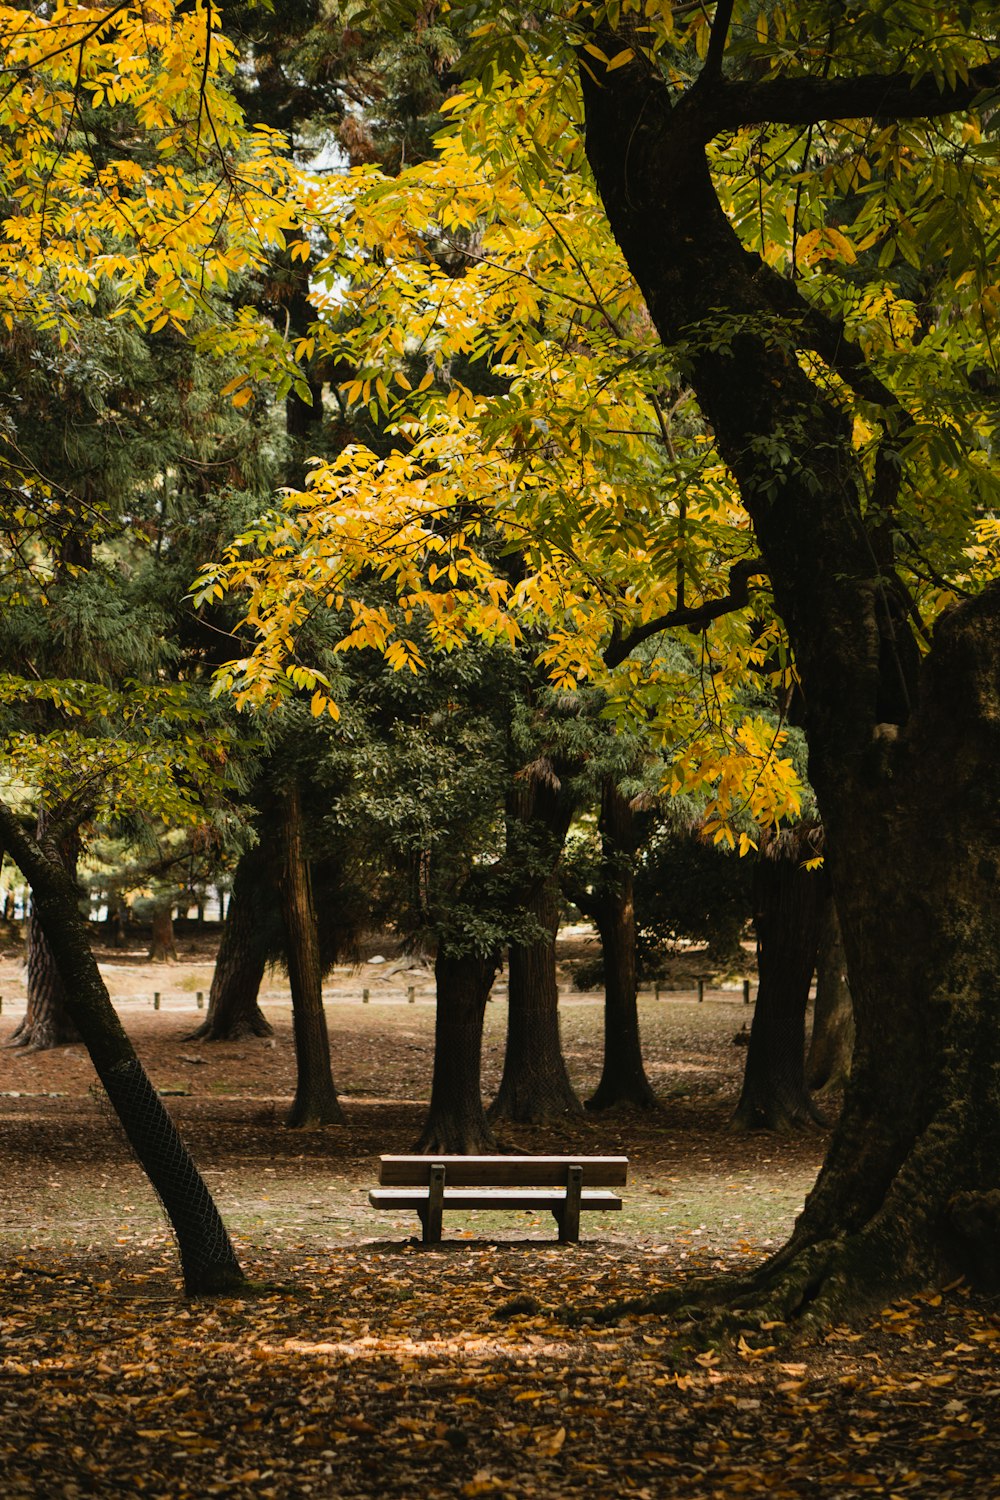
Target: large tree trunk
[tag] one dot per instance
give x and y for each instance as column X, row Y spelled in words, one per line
column 316, row 1101
column 788, row 905
column 233, row 1011
column 46, row 1022
column 623, row 1076
column 902, row 757
column 828, row 1063
column 535, row 1087
column 456, row 1122
column 208, row 1260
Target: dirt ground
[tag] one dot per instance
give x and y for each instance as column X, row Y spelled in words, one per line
column 362, row 1364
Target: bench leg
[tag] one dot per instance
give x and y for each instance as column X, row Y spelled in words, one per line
column 431, row 1214
column 568, row 1214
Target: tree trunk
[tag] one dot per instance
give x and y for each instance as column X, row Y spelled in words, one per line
column 788, row 904
column 828, row 1064
column 535, row 1087
column 208, row 1260
column 316, row 1101
column 46, row 1022
column 456, row 1122
column 903, row 754
column 162, row 948
column 623, row 1077
column 233, row 1011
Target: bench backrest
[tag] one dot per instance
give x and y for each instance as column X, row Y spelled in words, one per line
column 503, row 1171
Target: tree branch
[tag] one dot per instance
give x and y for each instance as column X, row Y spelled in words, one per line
column 809, row 101
column 701, row 614
column 712, row 69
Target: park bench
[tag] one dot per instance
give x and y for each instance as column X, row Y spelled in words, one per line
column 566, row 1186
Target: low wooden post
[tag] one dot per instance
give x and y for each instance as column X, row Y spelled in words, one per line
column 431, row 1215
column 411, row 995
column 701, row 991
column 156, row 999
column 746, row 992
column 568, row 1217
column 199, row 1000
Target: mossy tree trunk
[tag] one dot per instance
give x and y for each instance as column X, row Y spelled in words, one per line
column 456, row 1121
column 233, row 1011
column 788, row 903
column 535, row 1087
column 315, row 1101
column 902, row 751
column 208, row 1260
column 831, row 1045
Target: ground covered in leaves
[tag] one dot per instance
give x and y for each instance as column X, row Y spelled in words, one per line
column 362, row 1364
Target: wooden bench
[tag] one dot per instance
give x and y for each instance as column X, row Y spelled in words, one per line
column 566, row 1186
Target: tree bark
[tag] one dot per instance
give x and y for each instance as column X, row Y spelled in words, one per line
column 162, row 947
column 233, row 1011
column 46, row 1022
column 316, row 1101
column 456, row 1122
column 788, row 903
column 828, row 1063
column 208, row 1260
column 903, row 753
column 535, row 1087
column 611, row 907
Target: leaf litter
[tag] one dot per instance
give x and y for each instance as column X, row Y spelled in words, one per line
column 362, row 1364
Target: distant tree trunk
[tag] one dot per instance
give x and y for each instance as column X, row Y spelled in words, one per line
column 208, row 1260
column 611, row 907
column 162, row 948
column 456, row 1122
column 535, row 1087
column 46, row 1022
column 233, row 1011
column 316, row 1101
column 788, row 901
column 828, row 1065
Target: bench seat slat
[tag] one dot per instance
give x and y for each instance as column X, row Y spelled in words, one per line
column 503, row 1171
column 498, row 1198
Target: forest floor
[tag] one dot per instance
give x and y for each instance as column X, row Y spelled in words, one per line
column 362, row 1364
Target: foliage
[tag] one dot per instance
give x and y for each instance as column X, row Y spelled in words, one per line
column 545, row 481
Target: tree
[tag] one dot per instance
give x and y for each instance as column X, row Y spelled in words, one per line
column 608, row 900
column 788, row 902
column 900, row 745
column 534, row 1087
column 208, row 1259
column 831, row 1043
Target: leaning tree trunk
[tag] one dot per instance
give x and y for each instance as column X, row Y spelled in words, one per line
column 456, row 1122
column 46, row 1022
column 623, row 1076
column 208, row 1260
column 903, row 753
column 828, row 1063
column 316, row 1101
column 788, row 903
column 535, row 1087
column 233, row 1011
